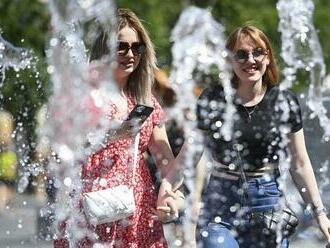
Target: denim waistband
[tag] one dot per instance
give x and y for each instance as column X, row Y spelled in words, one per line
column 224, row 198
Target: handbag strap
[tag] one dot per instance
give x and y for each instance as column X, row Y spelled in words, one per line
column 239, row 163
column 135, row 155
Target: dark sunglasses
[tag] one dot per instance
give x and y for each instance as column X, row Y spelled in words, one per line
column 136, row 47
column 258, row 54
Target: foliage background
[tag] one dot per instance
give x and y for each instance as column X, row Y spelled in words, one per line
column 24, row 23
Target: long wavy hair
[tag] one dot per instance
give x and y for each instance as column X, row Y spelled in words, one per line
column 271, row 75
column 140, row 82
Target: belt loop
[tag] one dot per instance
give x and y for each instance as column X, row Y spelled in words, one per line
column 258, row 184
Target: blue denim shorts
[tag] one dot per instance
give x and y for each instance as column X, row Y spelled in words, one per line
column 224, row 220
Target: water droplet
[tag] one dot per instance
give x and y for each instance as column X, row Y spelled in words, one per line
column 178, row 242
column 217, row 219
column 50, row 69
column 205, row 234
column 103, row 182
column 53, row 42
column 67, row 181
column 232, row 166
column 218, row 124
column 221, row 239
column 216, row 135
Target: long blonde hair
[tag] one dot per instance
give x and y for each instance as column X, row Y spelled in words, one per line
column 140, row 82
column 271, row 75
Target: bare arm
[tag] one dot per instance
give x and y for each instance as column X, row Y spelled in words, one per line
column 302, row 171
column 169, row 197
column 162, row 153
column 303, row 176
column 201, row 173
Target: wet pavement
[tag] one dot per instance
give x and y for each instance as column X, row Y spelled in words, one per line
column 19, row 225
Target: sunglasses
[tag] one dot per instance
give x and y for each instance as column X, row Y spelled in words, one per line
column 137, row 48
column 258, row 54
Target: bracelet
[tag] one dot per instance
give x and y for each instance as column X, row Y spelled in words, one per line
column 318, row 211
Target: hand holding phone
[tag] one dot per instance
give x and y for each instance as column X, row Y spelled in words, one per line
column 132, row 125
column 140, row 113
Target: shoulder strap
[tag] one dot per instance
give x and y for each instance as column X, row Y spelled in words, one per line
column 135, row 155
column 239, row 163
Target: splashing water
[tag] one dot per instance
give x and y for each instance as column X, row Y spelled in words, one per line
column 198, row 48
column 203, row 36
column 18, row 58
column 77, row 109
column 15, row 57
column 301, row 49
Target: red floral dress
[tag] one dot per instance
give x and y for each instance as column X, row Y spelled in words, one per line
column 110, row 165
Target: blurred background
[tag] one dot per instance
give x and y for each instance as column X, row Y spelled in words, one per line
column 23, row 93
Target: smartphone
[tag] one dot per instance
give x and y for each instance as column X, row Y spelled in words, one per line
column 140, row 112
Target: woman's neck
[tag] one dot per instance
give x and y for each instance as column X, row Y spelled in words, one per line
column 122, row 84
column 251, row 94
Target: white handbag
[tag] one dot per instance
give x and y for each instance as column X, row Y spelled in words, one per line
column 112, row 204
column 109, row 205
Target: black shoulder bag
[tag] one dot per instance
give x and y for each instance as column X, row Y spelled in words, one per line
column 283, row 219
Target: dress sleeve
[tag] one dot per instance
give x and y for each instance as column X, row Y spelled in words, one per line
column 158, row 115
column 295, row 118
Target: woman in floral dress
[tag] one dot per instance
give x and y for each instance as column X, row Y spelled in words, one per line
column 108, row 167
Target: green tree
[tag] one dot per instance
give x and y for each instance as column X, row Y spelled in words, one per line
column 24, row 24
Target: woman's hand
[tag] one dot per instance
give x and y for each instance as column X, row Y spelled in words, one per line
column 169, row 204
column 324, row 224
column 167, row 209
column 127, row 129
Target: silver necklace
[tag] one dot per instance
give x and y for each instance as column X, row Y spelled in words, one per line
column 249, row 113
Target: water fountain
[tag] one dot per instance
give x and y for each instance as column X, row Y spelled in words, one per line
column 77, row 109
column 12, row 57
column 301, row 50
column 16, row 59
column 198, row 50
column 196, row 30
